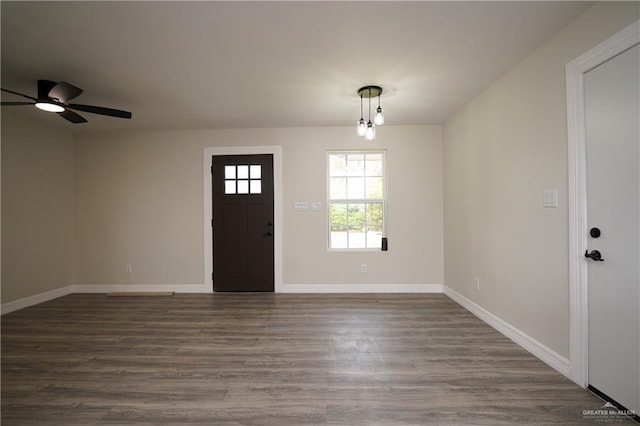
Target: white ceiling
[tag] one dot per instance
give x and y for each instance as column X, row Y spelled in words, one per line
column 195, row 65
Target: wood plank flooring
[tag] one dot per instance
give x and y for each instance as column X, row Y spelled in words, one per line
column 273, row 359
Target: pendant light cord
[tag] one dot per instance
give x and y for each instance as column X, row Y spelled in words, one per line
column 369, row 105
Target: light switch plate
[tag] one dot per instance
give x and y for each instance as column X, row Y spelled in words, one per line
column 316, row 206
column 301, row 205
column 550, row 199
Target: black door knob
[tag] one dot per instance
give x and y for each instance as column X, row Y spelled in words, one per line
column 594, row 255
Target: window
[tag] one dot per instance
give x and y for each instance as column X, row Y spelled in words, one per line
column 243, row 179
column 356, row 192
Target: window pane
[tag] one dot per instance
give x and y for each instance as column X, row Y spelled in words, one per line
column 229, row 172
column 356, row 239
column 355, row 188
column 338, row 240
column 374, row 188
column 338, row 217
column 255, row 171
column 229, row 186
column 374, row 238
column 374, row 230
column 373, row 165
column 243, row 172
column 355, row 165
column 337, row 165
column 338, row 188
column 355, row 217
column 374, row 215
column 255, row 186
column 338, row 226
column 243, row 186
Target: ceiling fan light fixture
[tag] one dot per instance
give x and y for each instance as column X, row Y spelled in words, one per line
column 49, row 106
column 54, row 97
column 368, row 130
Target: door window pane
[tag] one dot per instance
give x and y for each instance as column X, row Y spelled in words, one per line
column 243, row 186
column 229, row 186
column 243, row 172
column 255, row 171
column 255, row 186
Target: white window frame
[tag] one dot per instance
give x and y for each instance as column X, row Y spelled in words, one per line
column 383, row 200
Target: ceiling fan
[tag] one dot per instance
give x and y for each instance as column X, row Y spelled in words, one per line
column 53, row 97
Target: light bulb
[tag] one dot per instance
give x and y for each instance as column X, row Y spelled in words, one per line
column 49, row 106
column 370, row 134
column 379, row 118
column 362, row 127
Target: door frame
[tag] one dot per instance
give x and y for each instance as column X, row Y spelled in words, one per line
column 207, row 196
column 577, row 193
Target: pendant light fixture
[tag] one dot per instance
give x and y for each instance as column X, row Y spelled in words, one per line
column 362, row 127
column 368, row 129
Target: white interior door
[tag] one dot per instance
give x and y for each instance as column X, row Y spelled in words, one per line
column 612, row 93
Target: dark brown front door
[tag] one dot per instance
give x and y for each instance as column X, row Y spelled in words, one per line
column 242, row 222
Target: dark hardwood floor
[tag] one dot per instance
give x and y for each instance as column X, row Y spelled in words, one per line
column 273, row 359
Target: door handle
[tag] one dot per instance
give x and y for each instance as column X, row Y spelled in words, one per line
column 594, row 255
column 267, row 234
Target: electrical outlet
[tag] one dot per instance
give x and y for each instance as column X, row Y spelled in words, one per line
column 128, row 268
column 477, row 284
column 363, row 268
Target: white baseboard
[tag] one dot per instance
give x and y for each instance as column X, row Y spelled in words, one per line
column 361, row 288
column 8, row 307
column 113, row 288
column 548, row 356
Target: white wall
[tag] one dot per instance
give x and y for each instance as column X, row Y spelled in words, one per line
column 37, row 208
column 139, row 201
column 501, row 151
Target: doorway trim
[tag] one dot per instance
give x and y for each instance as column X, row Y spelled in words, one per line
column 207, row 197
column 577, row 193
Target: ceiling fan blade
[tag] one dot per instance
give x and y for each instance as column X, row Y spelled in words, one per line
column 19, row 94
column 44, row 87
column 72, row 116
column 18, row 103
column 64, row 92
column 101, row 110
